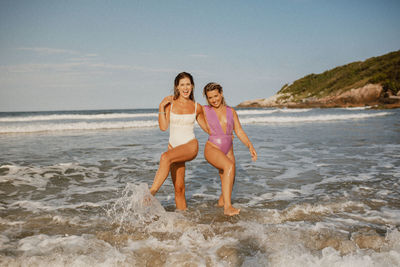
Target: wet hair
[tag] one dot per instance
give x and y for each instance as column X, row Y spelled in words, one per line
column 211, row 87
column 179, row 77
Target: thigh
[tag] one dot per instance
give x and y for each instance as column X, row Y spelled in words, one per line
column 185, row 152
column 216, row 157
column 231, row 155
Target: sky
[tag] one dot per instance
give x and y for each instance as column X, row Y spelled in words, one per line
column 82, row 55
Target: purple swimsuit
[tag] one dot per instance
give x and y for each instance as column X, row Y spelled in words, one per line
column 217, row 136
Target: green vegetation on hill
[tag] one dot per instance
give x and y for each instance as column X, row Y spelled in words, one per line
column 384, row 70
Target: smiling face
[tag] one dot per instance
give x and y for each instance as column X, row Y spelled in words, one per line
column 183, row 84
column 185, row 87
column 214, row 95
column 214, row 98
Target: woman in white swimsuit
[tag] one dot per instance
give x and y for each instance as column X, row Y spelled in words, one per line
column 179, row 112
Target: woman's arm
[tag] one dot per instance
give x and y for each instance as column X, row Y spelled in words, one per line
column 163, row 113
column 201, row 118
column 243, row 136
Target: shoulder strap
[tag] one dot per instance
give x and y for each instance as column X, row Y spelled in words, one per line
column 171, row 105
column 230, row 111
column 195, row 108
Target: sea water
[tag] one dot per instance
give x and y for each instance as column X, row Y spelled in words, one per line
column 324, row 191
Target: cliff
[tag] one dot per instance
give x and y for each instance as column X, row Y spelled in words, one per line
column 373, row 82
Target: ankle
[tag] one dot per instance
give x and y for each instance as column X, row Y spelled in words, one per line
column 153, row 191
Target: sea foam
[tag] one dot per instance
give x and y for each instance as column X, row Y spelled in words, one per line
column 316, row 118
column 47, row 127
column 75, row 117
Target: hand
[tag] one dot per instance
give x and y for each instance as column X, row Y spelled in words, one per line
column 166, row 101
column 253, row 152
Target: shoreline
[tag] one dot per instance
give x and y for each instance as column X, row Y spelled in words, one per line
column 371, row 95
column 319, row 105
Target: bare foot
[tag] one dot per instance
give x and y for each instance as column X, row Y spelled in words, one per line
column 220, row 201
column 231, row 211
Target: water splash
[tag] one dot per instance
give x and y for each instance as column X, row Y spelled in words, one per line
column 136, row 207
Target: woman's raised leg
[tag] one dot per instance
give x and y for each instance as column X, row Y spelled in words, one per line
column 182, row 153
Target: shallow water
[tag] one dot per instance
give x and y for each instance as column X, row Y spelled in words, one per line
column 324, row 192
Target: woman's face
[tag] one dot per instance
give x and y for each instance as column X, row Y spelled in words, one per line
column 214, row 98
column 185, row 87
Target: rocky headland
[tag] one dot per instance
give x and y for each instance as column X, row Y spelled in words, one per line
column 374, row 82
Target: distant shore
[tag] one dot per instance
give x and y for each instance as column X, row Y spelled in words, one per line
column 258, row 104
column 371, row 95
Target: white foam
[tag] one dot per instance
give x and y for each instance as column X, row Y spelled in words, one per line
column 224, row 243
column 67, row 221
column 255, row 111
column 317, row 118
column 357, row 108
column 39, row 176
column 76, row 117
column 287, row 194
column 289, row 245
column 18, row 175
column 135, row 207
column 269, row 111
column 306, row 210
column 294, row 110
column 4, row 243
column 191, row 247
column 44, row 250
column 48, row 127
column 11, row 223
column 33, row 206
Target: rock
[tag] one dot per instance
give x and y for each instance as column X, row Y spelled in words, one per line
column 363, row 95
column 389, row 93
column 368, row 95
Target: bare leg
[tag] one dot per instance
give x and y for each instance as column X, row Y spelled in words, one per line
column 221, row 197
column 182, row 153
column 178, row 178
column 230, row 156
column 220, row 161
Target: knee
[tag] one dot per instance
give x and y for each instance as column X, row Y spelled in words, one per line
column 179, row 190
column 165, row 158
column 194, row 149
column 230, row 167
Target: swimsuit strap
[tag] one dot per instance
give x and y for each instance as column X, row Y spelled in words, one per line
column 213, row 121
column 229, row 114
column 195, row 107
column 229, row 120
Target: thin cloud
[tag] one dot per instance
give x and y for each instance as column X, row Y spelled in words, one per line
column 83, row 62
column 77, row 65
column 49, row 51
column 198, row 55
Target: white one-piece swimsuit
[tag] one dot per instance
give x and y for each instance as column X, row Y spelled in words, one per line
column 181, row 127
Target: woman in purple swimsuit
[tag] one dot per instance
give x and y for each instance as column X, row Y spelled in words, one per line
column 222, row 120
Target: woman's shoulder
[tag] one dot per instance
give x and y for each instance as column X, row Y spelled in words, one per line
column 231, row 108
column 206, row 107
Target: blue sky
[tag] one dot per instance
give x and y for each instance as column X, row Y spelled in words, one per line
column 63, row 55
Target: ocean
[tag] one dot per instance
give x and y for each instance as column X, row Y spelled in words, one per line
column 325, row 191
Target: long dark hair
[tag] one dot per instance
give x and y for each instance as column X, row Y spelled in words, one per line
column 211, row 87
column 177, row 79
